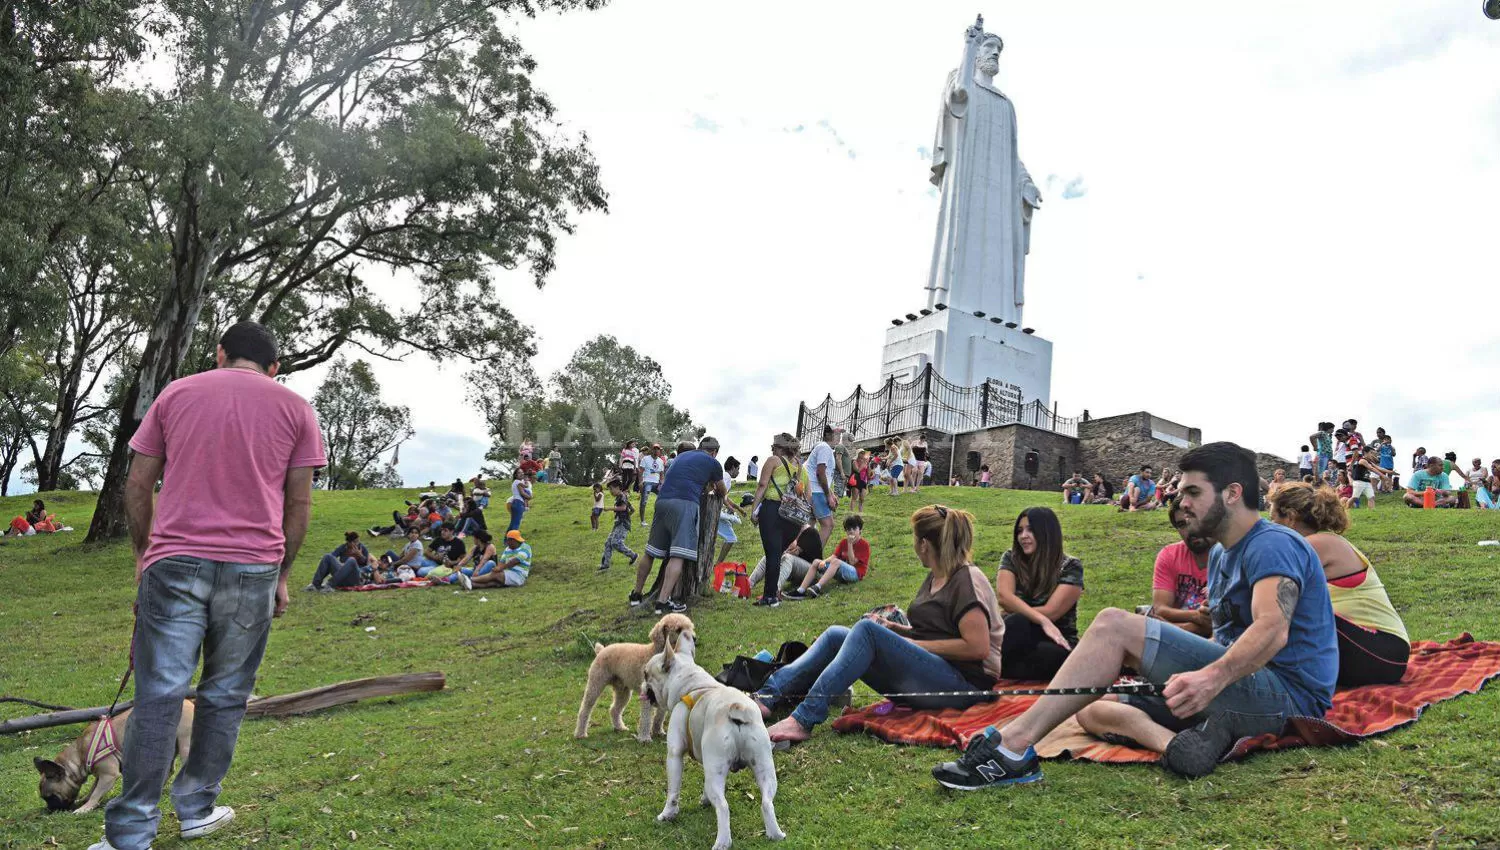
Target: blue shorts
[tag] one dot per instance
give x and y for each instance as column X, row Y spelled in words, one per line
column 1170, row 650
column 820, row 507
column 847, row 574
column 726, row 531
column 650, row 487
column 896, row 470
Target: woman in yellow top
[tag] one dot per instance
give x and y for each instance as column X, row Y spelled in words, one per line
column 1373, row 645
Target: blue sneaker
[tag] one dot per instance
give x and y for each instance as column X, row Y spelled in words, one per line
column 983, row 765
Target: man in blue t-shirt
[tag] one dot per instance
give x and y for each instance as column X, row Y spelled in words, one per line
column 1140, row 491
column 1431, row 477
column 674, row 526
column 1274, row 652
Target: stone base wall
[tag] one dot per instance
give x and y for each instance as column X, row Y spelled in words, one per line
column 1118, row 446
column 1004, row 449
column 1115, row 446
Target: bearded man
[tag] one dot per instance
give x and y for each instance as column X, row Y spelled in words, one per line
column 1274, row 652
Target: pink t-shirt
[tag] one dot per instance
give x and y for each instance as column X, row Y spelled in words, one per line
column 1177, row 571
column 228, row 436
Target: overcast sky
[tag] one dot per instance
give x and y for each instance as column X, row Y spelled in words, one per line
column 1254, row 219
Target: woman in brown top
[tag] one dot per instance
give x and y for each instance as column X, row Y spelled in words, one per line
column 952, row 644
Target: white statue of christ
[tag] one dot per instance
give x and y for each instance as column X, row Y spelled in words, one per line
column 984, row 222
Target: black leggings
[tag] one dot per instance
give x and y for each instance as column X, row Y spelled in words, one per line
column 1027, row 653
column 775, row 535
column 1368, row 656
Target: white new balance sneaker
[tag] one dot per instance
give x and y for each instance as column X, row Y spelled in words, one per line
column 216, row 820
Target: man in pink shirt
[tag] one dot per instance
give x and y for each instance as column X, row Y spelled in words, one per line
column 1179, row 584
column 235, row 453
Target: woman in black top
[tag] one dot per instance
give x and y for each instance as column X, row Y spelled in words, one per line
column 1038, row 587
column 471, row 519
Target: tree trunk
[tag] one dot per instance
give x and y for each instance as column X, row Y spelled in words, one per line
column 9, row 453
column 49, row 469
column 167, row 344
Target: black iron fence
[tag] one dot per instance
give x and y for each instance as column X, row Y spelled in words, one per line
column 926, row 401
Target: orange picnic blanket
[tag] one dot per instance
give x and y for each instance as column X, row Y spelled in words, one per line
column 1436, row 672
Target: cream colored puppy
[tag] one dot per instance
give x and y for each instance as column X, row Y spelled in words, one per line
column 720, row 726
column 622, row 666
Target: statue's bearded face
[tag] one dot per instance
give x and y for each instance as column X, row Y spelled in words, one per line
column 989, row 57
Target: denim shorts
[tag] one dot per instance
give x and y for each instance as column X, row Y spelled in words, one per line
column 1170, row 650
column 847, row 574
column 674, row 530
column 820, row 506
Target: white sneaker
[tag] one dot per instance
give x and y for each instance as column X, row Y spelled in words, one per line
column 467, row 582
column 105, row 845
column 216, row 820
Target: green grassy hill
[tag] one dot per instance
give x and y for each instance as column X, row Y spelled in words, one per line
column 492, row 761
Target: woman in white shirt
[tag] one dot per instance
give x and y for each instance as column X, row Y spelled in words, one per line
column 520, row 500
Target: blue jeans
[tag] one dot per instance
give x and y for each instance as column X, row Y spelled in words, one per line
column 469, row 526
column 486, row 569
column 870, row 653
column 344, row 573
column 185, row 606
column 517, row 510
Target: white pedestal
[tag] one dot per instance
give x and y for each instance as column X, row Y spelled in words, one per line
column 967, row 350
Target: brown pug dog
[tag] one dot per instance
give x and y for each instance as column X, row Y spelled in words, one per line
column 63, row 779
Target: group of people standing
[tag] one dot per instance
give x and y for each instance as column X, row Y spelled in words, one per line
column 1339, row 458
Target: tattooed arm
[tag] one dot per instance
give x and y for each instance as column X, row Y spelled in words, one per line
column 1272, row 602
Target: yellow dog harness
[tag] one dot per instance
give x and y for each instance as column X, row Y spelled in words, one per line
column 687, row 724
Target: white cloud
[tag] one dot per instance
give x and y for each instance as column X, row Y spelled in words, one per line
column 1289, row 215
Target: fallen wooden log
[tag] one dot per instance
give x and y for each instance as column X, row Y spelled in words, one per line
column 285, row 705
column 329, row 696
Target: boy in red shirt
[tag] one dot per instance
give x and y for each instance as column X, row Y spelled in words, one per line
column 850, row 562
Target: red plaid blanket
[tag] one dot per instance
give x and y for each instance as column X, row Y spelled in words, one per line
column 1437, row 672
column 395, row 585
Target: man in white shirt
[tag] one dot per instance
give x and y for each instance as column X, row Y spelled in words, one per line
column 652, row 467
column 820, row 471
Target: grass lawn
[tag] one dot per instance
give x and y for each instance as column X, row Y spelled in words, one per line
column 491, row 762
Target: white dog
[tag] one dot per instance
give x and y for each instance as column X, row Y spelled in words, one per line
column 719, row 725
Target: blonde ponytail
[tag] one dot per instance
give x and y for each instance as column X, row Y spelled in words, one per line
column 950, row 531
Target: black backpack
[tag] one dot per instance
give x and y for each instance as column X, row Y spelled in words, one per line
column 749, row 674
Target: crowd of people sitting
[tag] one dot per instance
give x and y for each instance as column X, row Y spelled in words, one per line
column 1249, row 622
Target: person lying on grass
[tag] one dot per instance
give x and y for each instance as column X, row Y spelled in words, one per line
column 1373, row 645
column 1274, row 654
column 952, row 644
column 850, row 562
column 1179, row 582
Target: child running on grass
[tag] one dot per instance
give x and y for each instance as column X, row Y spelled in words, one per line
column 616, row 540
column 850, row 562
